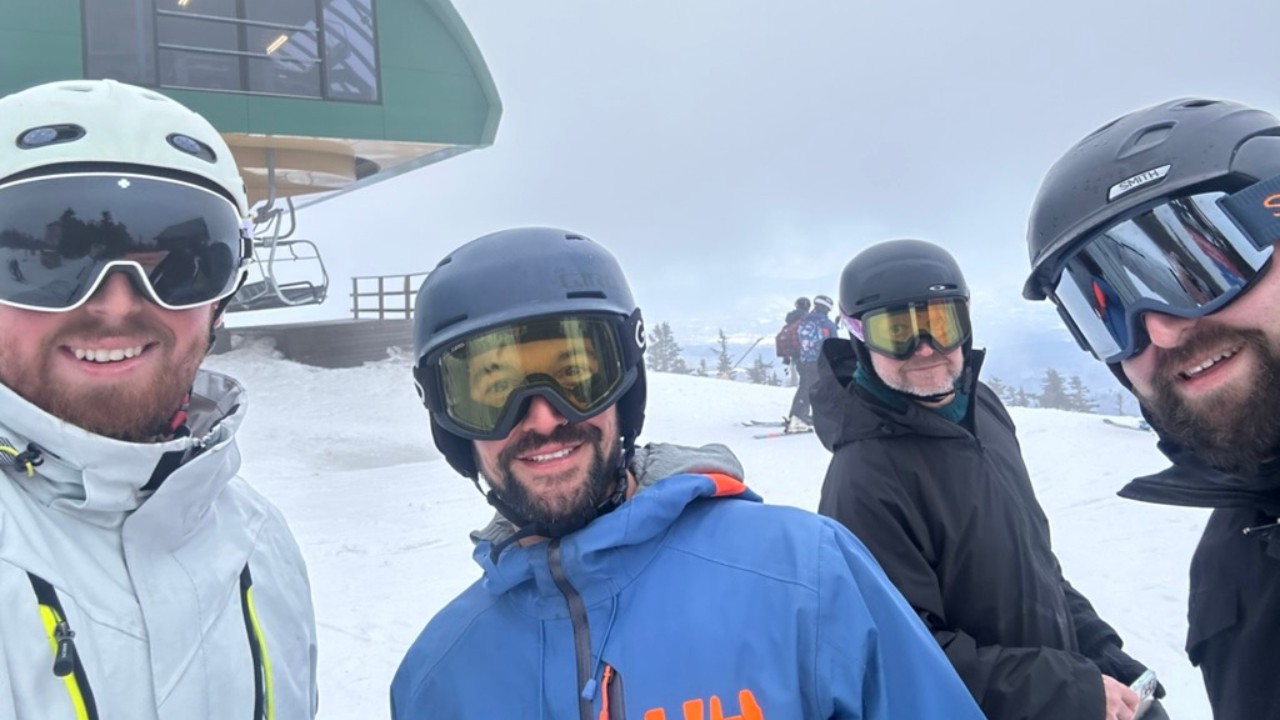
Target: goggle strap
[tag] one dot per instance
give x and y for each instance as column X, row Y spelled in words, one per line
column 1256, row 210
column 632, row 337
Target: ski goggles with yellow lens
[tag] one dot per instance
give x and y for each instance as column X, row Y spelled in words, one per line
column 1187, row 256
column 480, row 387
column 182, row 245
column 898, row 330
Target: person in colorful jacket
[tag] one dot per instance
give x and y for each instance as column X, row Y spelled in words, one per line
column 815, row 328
column 139, row 577
column 620, row 582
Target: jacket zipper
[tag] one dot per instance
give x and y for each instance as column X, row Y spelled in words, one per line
column 581, row 630
column 611, row 707
column 66, row 661
column 263, row 702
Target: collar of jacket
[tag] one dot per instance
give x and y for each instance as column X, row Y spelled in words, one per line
column 1190, row 482
column 101, row 481
column 607, row 555
column 844, row 411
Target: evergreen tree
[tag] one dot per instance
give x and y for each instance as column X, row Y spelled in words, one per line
column 702, row 368
column 1081, row 398
column 1053, row 391
column 1022, row 399
column 774, row 380
column 724, row 361
column 758, row 373
column 663, row 354
column 1000, row 389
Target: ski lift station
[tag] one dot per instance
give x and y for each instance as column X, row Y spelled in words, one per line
column 315, row 98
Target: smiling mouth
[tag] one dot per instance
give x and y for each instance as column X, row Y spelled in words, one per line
column 548, row 457
column 98, row 355
column 1192, row 372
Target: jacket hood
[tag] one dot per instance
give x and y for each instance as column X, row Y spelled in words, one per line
column 101, row 480
column 607, row 554
column 844, row 412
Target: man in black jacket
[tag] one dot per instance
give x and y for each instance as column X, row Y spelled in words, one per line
column 1154, row 237
column 928, row 473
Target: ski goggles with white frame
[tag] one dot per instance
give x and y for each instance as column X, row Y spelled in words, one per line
column 182, row 245
column 480, row 386
column 1187, row 256
column 898, row 330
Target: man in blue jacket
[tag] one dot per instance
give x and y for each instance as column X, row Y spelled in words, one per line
column 621, row 582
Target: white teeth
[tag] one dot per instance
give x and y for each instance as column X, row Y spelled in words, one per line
column 106, row 356
column 552, row 456
column 1208, row 363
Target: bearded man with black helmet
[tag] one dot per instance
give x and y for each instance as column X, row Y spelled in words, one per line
column 625, row 581
column 927, row 471
column 1154, row 237
column 140, row 577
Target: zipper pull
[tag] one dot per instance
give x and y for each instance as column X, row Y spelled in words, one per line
column 65, row 660
column 1260, row 528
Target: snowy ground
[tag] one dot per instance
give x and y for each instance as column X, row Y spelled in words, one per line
column 383, row 520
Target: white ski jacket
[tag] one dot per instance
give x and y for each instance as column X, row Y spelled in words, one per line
column 146, row 581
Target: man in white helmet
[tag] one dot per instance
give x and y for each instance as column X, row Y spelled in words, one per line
column 140, row 577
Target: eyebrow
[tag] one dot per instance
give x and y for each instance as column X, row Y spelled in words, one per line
column 493, row 367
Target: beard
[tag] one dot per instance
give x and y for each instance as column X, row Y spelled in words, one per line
column 1235, row 428
column 899, row 381
column 571, row 510
column 138, row 411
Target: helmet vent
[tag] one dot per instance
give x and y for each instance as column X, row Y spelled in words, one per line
column 192, row 146
column 597, row 294
column 49, row 135
column 448, row 321
column 445, row 261
column 1146, row 139
column 1197, row 104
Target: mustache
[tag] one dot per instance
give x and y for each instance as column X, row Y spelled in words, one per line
column 87, row 327
column 569, row 433
column 1203, row 339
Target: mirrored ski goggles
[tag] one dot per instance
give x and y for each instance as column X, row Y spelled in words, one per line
column 1186, row 257
column 897, row 331
column 480, row 387
column 182, row 245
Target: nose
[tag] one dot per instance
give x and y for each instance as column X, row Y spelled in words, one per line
column 924, row 349
column 114, row 297
column 542, row 417
column 1166, row 331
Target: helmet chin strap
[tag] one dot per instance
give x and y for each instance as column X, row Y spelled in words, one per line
column 528, row 528
column 936, row 397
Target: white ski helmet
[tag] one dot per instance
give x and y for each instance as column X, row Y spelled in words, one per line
column 104, row 121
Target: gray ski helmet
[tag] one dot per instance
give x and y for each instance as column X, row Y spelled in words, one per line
column 515, row 275
column 896, row 272
column 1165, row 151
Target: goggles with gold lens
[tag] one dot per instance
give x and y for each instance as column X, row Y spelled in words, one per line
column 898, row 330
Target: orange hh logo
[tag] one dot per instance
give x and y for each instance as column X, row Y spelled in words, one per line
column 1272, row 202
column 694, row 710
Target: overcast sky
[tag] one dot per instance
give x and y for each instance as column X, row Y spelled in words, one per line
column 737, row 153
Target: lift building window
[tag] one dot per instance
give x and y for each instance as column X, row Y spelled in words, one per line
column 297, row 48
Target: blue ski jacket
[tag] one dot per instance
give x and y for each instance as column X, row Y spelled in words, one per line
column 692, row 601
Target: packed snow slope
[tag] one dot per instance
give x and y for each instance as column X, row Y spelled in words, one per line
column 383, row 520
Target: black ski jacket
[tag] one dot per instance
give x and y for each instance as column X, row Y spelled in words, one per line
column 949, row 512
column 1234, row 614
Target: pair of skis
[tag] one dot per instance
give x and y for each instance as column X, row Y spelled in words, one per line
column 776, row 424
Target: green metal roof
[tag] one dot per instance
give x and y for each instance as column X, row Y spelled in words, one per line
column 436, row 96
